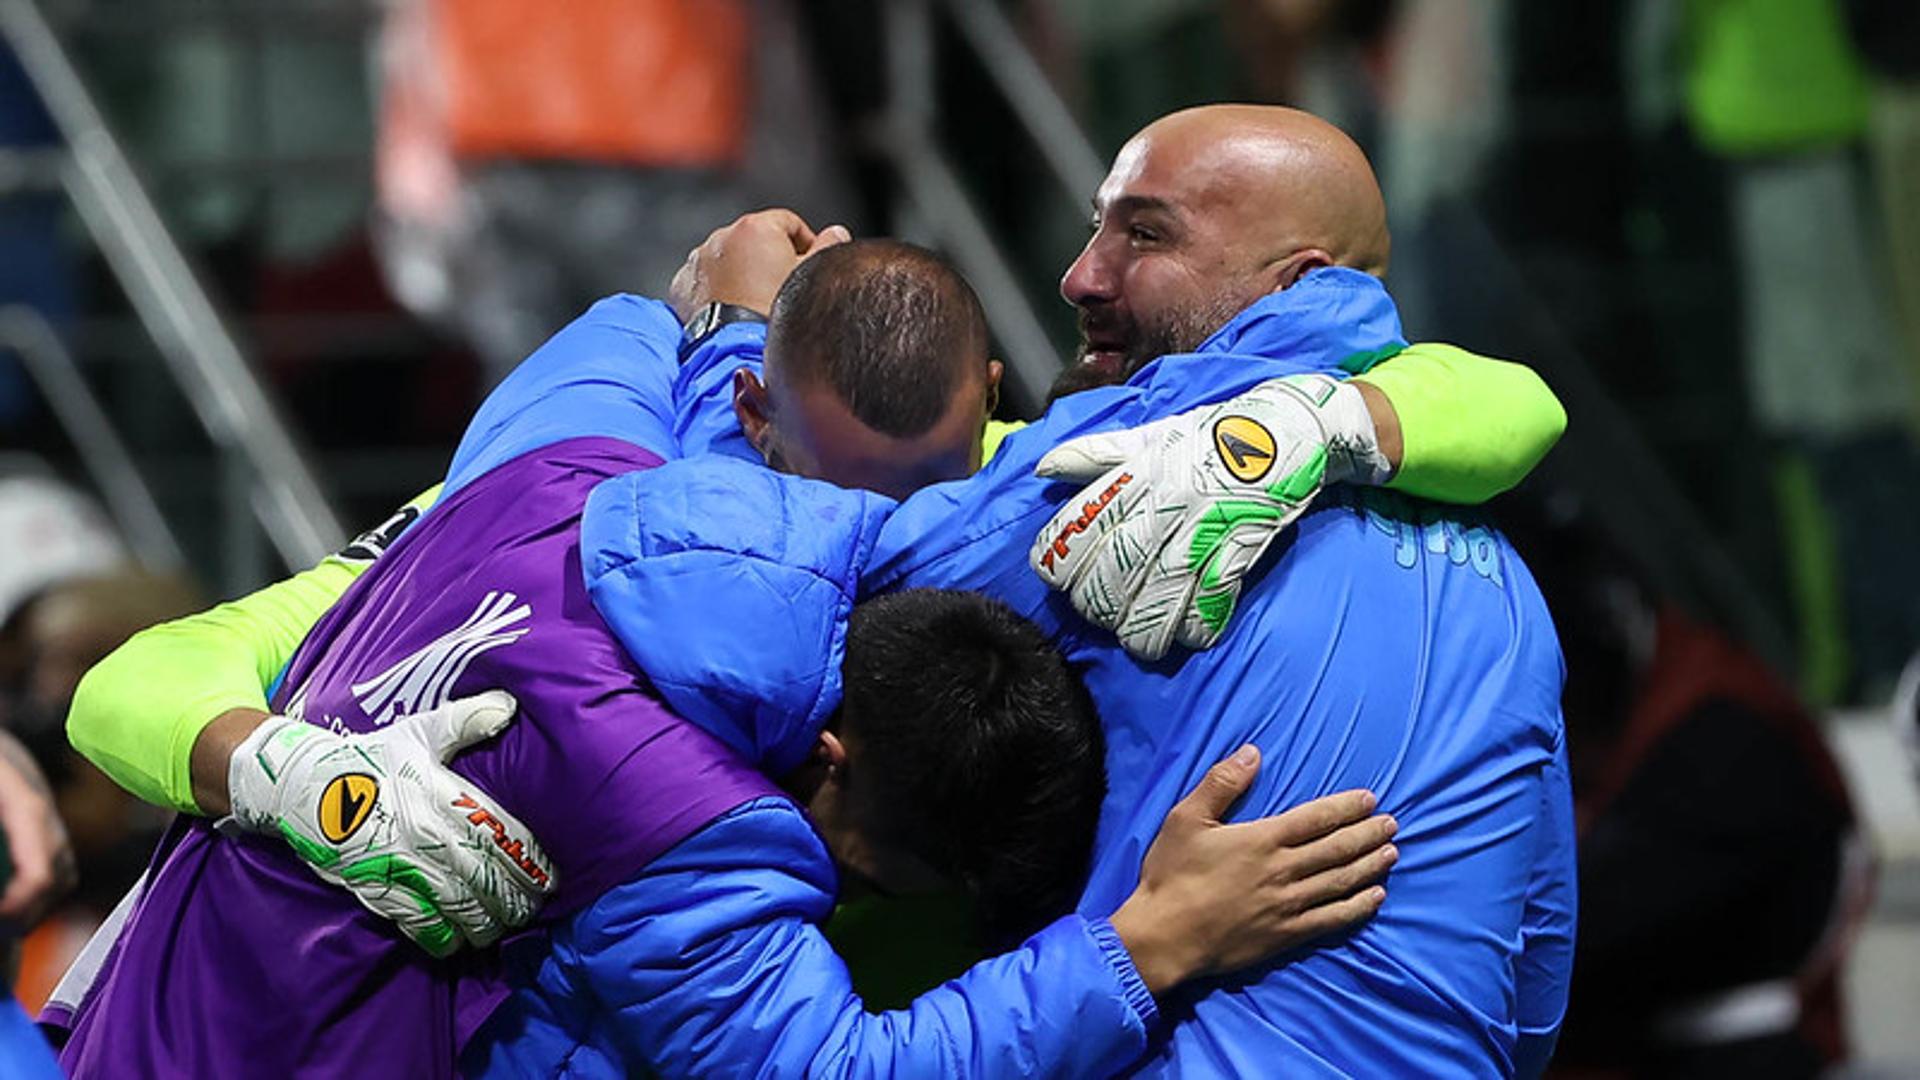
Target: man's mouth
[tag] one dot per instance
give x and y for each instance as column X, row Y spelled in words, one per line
column 1109, row 363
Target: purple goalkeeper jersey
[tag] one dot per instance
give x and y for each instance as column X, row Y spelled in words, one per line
column 238, row 961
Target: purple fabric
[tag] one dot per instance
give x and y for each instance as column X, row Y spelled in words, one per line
column 238, row 961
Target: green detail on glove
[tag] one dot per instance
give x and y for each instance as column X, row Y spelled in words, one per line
column 1222, row 518
column 437, row 938
column 1213, row 528
column 1215, row 608
column 318, row 855
column 392, row 871
column 1303, row 481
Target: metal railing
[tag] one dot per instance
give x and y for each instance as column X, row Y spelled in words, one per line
column 266, row 476
column 935, row 201
column 25, row 333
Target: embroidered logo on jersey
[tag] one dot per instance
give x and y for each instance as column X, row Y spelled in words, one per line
column 1246, row 447
column 1088, row 514
column 345, row 804
column 374, row 543
column 425, row 680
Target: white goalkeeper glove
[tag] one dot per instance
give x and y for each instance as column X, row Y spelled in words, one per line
column 382, row 815
column 1155, row 549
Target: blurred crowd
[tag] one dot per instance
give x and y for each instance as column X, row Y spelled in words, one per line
column 1698, row 218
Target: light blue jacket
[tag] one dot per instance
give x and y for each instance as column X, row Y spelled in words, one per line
column 1398, row 645
column 711, row 962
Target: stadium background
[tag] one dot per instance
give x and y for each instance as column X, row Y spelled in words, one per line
column 260, row 258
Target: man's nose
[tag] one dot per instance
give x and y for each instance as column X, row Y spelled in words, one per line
column 1088, row 280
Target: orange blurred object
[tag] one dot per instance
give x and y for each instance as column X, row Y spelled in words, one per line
column 646, row 82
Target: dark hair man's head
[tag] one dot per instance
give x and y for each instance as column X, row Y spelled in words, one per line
column 877, row 374
column 1206, row 211
column 965, row 753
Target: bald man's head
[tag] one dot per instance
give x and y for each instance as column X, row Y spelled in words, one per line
column 1207, row 210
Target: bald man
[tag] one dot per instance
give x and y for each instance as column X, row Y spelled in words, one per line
column 1207, row 210
column 1401, row 646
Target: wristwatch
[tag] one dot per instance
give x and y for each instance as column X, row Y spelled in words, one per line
column 707, row 322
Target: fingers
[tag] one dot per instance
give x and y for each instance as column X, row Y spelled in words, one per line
column 1337, row 916
column 508, row 846
column 460, row 723
column 1090, row 455
column 1344, row 845
column 1068, row 542
column 1223, row 785
column 780, row 219
column 1312, row 820
column 42, row 857
column 1347, row 878
column 830, row 236
column 1201, row 625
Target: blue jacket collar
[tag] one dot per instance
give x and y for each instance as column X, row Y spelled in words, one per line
column 1331, row 320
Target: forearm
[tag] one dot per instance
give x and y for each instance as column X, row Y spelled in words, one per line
column 161, row 714
column 141, row 713
column 1467, row 427
column 212, row 752
column 712, row 962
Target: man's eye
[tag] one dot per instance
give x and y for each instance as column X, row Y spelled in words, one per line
column 1143, row 234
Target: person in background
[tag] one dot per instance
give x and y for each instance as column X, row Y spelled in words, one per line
column 1721, row 868
column 68, row 596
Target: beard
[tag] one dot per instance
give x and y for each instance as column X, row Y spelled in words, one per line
column 1181, row 330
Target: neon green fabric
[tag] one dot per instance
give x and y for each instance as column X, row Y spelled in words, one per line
column 137, row 713
column 1770, row 75
column 997, row 430
column 1470, row 427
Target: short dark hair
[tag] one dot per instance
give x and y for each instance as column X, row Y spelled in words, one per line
column 890, row 327
column 978, row 749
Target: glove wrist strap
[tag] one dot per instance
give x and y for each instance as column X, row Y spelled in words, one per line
column 1353, row 444
column 258, row 766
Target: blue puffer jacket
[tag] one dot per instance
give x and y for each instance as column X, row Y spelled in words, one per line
column 1398, row 646
column 712, row 963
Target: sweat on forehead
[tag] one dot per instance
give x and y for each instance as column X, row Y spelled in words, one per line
column 891, row 328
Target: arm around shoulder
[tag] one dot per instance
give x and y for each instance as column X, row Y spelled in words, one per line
column 713, row 961
column 1471, row 427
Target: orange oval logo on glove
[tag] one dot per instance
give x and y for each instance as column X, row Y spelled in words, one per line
column 1246, row 447
column 345, row 804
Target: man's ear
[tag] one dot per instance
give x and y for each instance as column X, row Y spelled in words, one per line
column 829, row 751
column 995, row 369
column 1291, row 269
column 825, row 762
column 752, row 407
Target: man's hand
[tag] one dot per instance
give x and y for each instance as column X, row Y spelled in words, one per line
column 1155, row 549
column 37, row 845
column 381, row 814
column 745, row 263
column 1215, row 898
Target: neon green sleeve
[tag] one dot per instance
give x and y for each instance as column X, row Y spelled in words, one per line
column 1471, row 427
column 137, row 713
column 997, row 431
